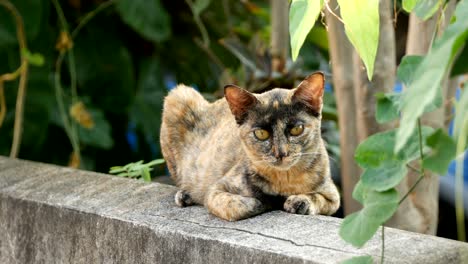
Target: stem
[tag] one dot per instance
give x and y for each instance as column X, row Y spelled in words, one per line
column 412, row 188
column 199, row 23
column 421, row 156
column 413, row 168
column 459, row 181
column 59, row 97
column 70, row 127
column 18, row 126
column 382, row 256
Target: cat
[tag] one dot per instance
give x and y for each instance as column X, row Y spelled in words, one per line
column 246, row 153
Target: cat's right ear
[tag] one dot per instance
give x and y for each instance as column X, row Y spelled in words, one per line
column 239, row 100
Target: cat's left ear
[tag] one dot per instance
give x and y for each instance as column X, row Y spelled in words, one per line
column 310, row 91
column 239, row 100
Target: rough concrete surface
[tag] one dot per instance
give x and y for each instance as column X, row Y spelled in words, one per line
column 51, row 214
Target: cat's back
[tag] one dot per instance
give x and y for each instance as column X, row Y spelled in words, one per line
column 189, row 122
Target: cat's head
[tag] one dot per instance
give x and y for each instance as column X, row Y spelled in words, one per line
column 281, row 127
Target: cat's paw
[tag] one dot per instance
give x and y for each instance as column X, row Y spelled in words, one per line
column 299, row 204
column 183, row 198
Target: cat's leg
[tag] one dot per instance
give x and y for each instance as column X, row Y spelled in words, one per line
column 183, row 198
column 325, row 200
column 230, row 206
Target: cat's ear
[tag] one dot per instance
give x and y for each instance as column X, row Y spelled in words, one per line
column 310, row 91
column 239, row 100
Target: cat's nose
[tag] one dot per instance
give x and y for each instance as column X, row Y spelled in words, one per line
column 280, row 154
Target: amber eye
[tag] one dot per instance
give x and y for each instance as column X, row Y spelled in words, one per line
column 297, row 130
column 261, row 134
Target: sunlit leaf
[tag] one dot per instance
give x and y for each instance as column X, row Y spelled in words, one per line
column 359, row 227
column 425, row 9
column 302, row 16
column 443, row 152
column 408, row 5
column 424, row 89
column 361, row 19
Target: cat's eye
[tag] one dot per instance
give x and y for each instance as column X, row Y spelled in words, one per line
column 296, row 130
column 261, row 134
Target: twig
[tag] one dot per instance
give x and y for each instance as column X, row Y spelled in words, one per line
column 89, row 16
column 18, row 126
column 331, row 12
column 413, row 168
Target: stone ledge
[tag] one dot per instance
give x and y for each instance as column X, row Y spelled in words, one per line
column 51, row 214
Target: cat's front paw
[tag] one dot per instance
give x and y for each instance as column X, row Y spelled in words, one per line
column 183, row 198
column 299, row 204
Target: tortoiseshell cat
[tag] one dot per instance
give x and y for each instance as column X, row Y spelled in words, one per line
column 245, row 154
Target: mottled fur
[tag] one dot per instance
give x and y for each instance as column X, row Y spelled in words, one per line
column 216, row 160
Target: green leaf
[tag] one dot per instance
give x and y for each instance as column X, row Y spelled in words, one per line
column 200, row 5
column 426, row 8
column 460, row 66
column 147, row 17
column 361, row 19
column 302, row 16
column 99, row 135
column 104, row 66
column 443, row 152
column 387, row 107
column 407, row 73
column 378, row 148
column 424, row 88
column 35, row 59
column 384, row 177
column 358, row 260
column 145, row 173
column 147, row 107
column 32, row 14
column 408, row 5
column 359, row 227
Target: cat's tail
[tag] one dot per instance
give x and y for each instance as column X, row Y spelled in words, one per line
column 182, row 114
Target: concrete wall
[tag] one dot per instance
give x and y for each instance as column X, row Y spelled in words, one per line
column 51, row 214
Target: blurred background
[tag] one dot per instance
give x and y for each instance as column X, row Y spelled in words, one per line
column 126, row 57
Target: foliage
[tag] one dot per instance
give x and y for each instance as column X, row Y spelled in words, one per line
column 136, row 169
